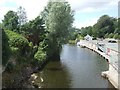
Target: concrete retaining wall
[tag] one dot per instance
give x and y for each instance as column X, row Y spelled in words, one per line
column 112, row 73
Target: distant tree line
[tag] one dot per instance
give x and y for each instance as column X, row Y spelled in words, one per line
column 106, row 27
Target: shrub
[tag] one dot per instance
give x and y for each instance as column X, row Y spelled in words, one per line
column 119, row 37
column 111, row 35
column 80, row 37
column 16, row 40
column 106, row 35
column 40, row 55
column 116, row 36
column 71, row 42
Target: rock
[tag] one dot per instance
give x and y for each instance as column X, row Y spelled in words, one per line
column 34, row 76
column 41, row 79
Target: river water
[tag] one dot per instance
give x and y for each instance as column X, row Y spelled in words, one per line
column 78, row 68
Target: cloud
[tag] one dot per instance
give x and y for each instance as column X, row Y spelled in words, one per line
column 34, row 7
column 92, row 5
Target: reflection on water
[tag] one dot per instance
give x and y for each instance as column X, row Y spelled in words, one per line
column 78, row 68
column 55, row 75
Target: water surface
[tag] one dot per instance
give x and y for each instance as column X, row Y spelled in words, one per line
column 78, row 68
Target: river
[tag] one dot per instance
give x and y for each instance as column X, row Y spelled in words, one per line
column 78, row 68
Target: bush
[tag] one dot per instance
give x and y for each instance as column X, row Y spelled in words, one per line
column 119, row 37
column 111, row 35
column 116, row 36
column 40, row 55
column 106, row 35
column 16, row 40
column 80, row 37
column 71, row 42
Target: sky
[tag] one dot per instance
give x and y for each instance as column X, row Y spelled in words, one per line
column 87, row 12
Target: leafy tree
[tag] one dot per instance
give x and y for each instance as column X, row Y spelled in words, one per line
column 83, row 31
column 11, row 21
column 34, row 30
column 22, row 16
column 73, row 33
column 104, row 25
column 58, row 21
column 89, row 30
column 86, row 30
column 115, row 21
column 94, row 31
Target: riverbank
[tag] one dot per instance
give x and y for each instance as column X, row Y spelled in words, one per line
column 109, row 53
column 23, row 77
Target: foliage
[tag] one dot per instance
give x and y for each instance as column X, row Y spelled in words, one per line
column 58, row 21
column 22, row 18
column 86, row 30
column 117, row 30
column 71, row 42
column 17, row 40
column 73, row 33
column 111, row 35
column 116, row 36
column 104, row 26
column 40, row 55
column 11, row 21
column 80, row 37
column 34, row 30
column 106, row 35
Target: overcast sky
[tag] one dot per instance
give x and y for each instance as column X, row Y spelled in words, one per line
column 87, row 12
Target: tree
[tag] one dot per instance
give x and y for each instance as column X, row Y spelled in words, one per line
column 86, row 30
column 22, row 16
column 104, row 25
column 83, row 31
column 58, row 21
column 73, row 33
column 11, row 21
column 34, row 30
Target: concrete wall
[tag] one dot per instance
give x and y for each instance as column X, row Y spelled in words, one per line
column 111, row 56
